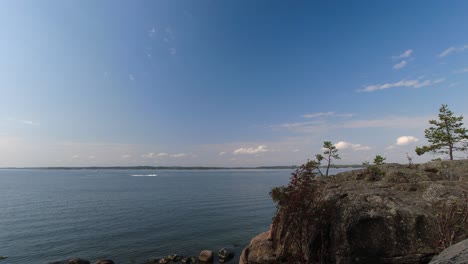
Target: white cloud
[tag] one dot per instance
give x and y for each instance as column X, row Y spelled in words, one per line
column 405, row 140
column 347, row 145
column 222, row 153
column 162, row 154
column 403, row 83
column 257, row 150
column 178, row 155
column 91, row 157
column 296, row 150
column 400, row 65
column 173, row 51
column 126, row 156
column 75, row 157
column 451, row 50
column 405, row 54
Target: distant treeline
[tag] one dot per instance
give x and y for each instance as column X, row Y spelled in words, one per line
column 171, row 168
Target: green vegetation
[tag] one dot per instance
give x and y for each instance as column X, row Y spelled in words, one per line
column 302, row 205
column 374, row 168
column 379, row 160
column 452, row 221
column 446, row 135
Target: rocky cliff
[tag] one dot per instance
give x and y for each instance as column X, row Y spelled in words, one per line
column 387, row 214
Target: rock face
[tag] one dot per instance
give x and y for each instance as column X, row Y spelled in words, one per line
column 386, row 217
column 456, row 254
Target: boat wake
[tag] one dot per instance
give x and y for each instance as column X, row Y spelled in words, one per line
column 144, row 175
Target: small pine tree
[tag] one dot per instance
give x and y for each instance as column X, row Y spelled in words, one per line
column 379, row 160
column 410, row 160
column 446, row 136
column 330, row 153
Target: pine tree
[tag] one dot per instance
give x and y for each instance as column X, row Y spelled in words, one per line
column 446, row 136
column 331, row 152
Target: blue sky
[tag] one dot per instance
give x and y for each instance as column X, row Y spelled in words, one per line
column 225, row 83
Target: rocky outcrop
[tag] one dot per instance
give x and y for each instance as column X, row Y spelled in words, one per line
column 390, row 214
column 456, row 254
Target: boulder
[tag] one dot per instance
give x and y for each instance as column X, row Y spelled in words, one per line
column 456, row 254
column 389, row 215
column 78, row 261
column 206, row 256
column 104, row 261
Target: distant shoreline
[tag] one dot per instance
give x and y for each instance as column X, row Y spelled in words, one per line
column 170, row 168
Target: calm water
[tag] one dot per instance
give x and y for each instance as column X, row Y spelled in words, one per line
column 50, row 215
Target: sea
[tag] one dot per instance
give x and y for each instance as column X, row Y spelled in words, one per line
column 130, row 216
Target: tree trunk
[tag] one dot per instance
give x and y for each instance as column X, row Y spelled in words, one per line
column 451, row 151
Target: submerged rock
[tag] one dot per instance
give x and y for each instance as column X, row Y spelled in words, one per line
column 389, row 215
column 104, row 261
column 456, row 254
column 206, row 256
column 72, row 261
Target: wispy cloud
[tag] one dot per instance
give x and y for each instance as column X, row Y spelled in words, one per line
column 257, row 150
column 320, row 114
column 163, row 154
column 325, row 114
column 384, row 122
column 222, row 153
column 391, row 122
column 464, row 70
column 403, row 83
column 148, row 155
column 172, row 51
column 152, row 32
column 24, row 121
column 131, row 77
column 405, row 54
column 400, row 65
column 347, row 145
column 451, row 50
column 405, row 140
column 403, row 59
